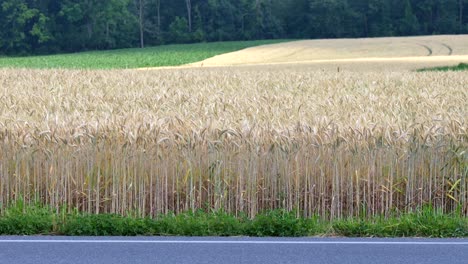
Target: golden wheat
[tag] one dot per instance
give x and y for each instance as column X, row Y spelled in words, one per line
column 335, row 49
column 351, row 54
column 236, row 139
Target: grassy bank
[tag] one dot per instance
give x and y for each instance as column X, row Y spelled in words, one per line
column 39, row 220
column 168, row 55
column 459, row 67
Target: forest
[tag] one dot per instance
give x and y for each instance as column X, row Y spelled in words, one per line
column 56, row 26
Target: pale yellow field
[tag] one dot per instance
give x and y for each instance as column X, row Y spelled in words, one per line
column 241, row 139
column 396, row 53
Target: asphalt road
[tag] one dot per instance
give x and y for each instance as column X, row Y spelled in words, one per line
column 39, row 250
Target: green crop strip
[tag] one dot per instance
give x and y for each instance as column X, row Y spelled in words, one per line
column 168, row 55
column 459, row 67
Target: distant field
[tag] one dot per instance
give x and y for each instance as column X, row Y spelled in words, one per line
column 392, row 53
column 169, row 55
column 395, row 53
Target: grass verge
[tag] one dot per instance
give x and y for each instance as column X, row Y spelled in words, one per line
column 459, row 67
column 167, row 55
column 38, row 220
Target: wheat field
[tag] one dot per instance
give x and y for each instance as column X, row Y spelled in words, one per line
column 388, row 53
column 242, row 140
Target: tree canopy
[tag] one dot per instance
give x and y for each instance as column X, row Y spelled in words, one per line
column 51, row 26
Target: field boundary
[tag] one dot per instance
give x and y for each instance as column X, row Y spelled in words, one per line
column 414, row 59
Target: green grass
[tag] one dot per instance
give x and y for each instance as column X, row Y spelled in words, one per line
column 424, row 223
column 459, row 67
column 39, row 220
column 168, row 55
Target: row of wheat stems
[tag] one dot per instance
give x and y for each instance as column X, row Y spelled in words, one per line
column 333, row 145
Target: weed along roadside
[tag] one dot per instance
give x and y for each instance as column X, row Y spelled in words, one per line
column 37, row 220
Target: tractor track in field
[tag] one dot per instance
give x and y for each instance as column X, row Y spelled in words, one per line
column 448, row 47
column 429, row 50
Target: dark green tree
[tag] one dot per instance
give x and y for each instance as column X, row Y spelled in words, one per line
column 47, row 26
column 24, row 29
column 331, row 19
column 409, row 24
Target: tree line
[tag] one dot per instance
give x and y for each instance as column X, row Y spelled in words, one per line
column 52, row 26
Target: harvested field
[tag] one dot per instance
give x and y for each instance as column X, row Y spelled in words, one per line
column 237, row 139
column 400, row 52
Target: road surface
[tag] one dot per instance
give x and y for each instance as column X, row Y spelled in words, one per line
column 39, row 250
